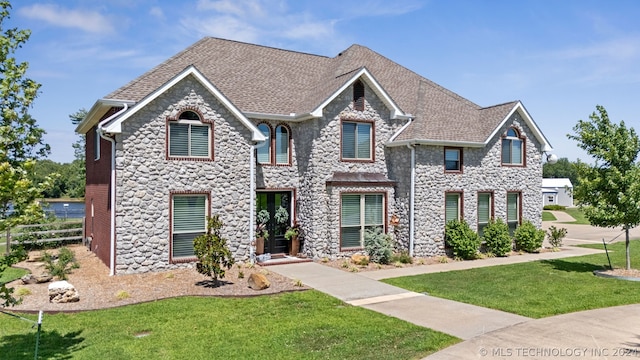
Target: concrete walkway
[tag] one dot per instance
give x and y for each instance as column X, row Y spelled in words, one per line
column 489, row 334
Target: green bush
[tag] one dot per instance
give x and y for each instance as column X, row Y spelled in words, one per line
column 402, row 257
column 62, row 266
column 462, row 239
column 212, row 251
column 378, row 245
column 528, row 237
column 556, row 235
column 497, row 238
column 554, row 207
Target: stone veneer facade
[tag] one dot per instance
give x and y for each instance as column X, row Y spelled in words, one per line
column 146, row 178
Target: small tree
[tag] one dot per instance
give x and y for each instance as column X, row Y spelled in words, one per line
column 556, row 235
column 378, row 245
column 212, row 251
column 497, row 238
column 609, row 190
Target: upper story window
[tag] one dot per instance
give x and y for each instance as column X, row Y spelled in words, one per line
column 453, row 159
column 282, row 145
column 189, row 137
column 276, row 150
column 357, row 141
column 512, row 148
column 358, row 96
column 264, row 150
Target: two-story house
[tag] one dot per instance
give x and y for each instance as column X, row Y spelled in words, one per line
column 337, row 144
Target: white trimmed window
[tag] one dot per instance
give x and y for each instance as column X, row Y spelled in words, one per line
column 453, row 159
column 512, row 148
column 485, row 210
column 359, row 212
column 282, row 145
column 513, row 210
column 452, row 206
column 188, row 220
column 189, row 137
column 356, row 141
column 264, row 150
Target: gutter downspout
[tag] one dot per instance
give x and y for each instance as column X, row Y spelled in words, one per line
column 252, row 204
column 112, row 200
column 412, row 199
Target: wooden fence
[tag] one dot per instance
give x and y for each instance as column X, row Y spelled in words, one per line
column 40, row 234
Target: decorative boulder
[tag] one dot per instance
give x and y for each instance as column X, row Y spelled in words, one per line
column 36, row 279
column 258, row 281
column 62, row 292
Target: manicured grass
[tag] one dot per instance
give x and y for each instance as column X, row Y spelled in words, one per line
column 547, row 216
column 535, row 289
column 578, row 215
column 300, row 325
column 10, row 274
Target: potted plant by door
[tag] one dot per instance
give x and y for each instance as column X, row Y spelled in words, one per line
column 261, row 230
column 292, row 236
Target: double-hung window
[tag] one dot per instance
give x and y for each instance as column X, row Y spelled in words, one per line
column 188, row 220
column 452, row 206
column 189, row 137
column 357, row 141
column 513, row 210
column 359, row 212
column 512, row 148
column 453, row 159
column 282, row 145
column 264, row 150
column 485, row 210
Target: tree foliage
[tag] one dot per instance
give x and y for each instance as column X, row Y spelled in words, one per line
column 20, row 140
column 67, row 180
column 562, row 169
column 609, row 190
column 212, row 251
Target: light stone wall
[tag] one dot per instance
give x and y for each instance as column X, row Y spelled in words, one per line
column 145, row 179
column 482, row 171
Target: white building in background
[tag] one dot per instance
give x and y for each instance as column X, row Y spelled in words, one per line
column 557, row 192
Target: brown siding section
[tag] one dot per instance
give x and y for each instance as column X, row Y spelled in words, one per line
column 97, row 193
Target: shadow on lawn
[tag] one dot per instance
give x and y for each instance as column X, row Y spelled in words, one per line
column 53, row 345
column 571, row 266
column 213, row 284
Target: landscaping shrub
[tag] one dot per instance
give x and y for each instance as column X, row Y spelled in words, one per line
column 62, row 266
column 462, row 239
column 402, row 257
column 528, row 237
column 378, row 245
column 556, row 235
column 554, row 207
column 212, row 251
column 497, row 238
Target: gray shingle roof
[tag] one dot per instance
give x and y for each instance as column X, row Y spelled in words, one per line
column 274, row 81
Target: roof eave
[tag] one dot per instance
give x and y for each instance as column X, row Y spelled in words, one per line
column 97, row 111
column 280, row 117
column 455, row 143
column 546, row 146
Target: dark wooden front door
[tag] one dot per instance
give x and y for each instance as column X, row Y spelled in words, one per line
column 278, row 204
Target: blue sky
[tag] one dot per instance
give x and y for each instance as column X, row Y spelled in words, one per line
column 560, row 58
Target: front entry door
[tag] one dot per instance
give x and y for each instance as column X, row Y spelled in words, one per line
column 278, row 205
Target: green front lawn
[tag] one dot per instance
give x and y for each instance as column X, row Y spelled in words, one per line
column 535, row 289
column 578, row 215
column 547, row 216
column 10, row 274
column 299, row 325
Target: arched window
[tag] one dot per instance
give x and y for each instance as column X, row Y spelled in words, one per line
column 264, row 150
column 189, row 137
column 512, row 148
column 358, row 95
column 282, row 145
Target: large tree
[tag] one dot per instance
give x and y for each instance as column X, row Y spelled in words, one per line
column 609, row 190
column 563, row 168
column 20, row 139
column 77, row 171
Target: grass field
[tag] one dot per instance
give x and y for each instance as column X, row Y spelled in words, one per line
column 535, row 289
column 547, row 216
column 578, row 215
column 299, row 325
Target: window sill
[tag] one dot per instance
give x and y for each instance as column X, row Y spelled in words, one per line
column 183, row 260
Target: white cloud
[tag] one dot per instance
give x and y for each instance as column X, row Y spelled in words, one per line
column 90, row 21
column 157, row 12
column 620, row 49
